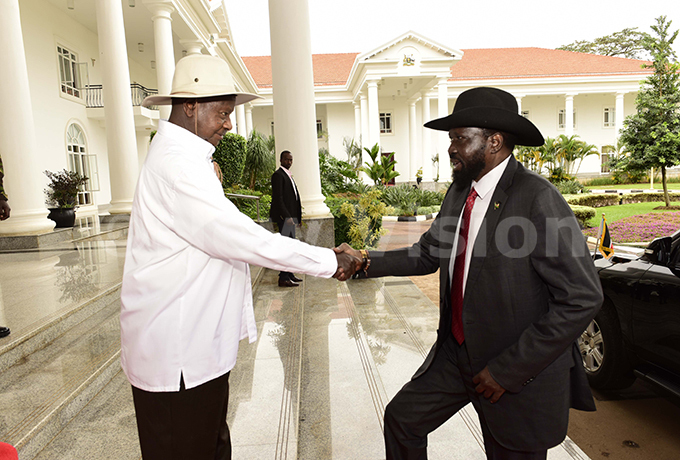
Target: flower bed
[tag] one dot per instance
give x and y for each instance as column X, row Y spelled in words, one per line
column 642, row 228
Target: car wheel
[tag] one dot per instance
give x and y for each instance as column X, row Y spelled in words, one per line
column 603, row 352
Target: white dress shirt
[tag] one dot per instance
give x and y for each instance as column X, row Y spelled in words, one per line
column 290, row 176
column 186, row 296
column 484, row 188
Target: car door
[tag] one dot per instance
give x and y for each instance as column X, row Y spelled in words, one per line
column 656, row 313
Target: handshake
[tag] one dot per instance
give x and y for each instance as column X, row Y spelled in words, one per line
column 349, row 262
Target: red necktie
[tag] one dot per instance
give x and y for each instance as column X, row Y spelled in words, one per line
column 459, row 271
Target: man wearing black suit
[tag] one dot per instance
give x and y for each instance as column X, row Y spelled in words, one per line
column 286, row 209
column 515, row 294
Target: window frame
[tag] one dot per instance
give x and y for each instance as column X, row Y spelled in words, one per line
column 82, row 162
column 609, row 112
column 385, row 119
column 72, row 74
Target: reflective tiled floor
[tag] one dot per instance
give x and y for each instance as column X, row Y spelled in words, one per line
column 314, row 385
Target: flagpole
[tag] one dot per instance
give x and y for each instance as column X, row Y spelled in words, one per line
column 599, row 237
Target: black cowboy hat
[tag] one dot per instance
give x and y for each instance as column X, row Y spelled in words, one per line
column 489, row 108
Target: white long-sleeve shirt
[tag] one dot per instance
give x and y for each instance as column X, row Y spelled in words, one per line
column 186, row 296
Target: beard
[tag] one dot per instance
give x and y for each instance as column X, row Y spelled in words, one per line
column 470, row 171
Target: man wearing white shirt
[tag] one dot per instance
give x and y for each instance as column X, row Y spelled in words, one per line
column 186, row 296
column 286, row 208
column 515, row 294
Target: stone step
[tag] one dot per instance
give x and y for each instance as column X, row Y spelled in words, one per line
column 43, row 390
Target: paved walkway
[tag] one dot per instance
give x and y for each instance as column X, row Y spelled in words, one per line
column 314, row 385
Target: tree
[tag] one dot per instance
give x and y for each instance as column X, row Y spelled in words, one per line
column 259, row 163
column 230, row 155
column 652, row 135
column 381, row 171
column 626, row 43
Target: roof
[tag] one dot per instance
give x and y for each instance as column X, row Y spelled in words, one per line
column 502, row 63
column 329, row 69
column 477, row 64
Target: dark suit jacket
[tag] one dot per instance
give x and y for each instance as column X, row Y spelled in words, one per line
column 531, row 291
column 284, row 202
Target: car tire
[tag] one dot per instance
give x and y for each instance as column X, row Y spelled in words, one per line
column 603, row 352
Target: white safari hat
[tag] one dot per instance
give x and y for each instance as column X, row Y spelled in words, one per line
column 199, row 76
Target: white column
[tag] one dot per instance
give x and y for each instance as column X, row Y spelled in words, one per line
column 414, row 164
column 363, row 103
column 120, row 125
column 618, row 114
column 294, row 105
column 165, row 54
column 241, row 121
column 24, row 181
column 519, row 104
column 443, row 137
column 192, row 46
column 569, row 115
column 249, row 118
column 427, row 152
column 357, row 121
column 373, row 114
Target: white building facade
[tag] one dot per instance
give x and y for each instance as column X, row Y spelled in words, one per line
column 77, row 72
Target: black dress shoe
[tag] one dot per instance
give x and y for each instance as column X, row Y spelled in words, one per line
column 287, row 283
column 4, row 331
column 295, row 279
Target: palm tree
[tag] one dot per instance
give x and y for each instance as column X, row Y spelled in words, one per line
column 260, row 161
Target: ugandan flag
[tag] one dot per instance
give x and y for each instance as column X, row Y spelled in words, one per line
column 606, row 246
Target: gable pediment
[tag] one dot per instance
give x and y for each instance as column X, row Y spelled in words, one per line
column 410, row 47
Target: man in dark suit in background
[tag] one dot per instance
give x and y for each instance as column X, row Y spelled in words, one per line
column 286, row 209
column 515, row 295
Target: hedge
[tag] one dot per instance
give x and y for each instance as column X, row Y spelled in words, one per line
column 594, row 200
column 647, row 197
column 583, row 213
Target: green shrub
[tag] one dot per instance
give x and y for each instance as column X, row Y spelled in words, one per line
column 570, row 187
column 594, row 200
column 337, row 176
column 647, row 197
column 248, row 206
column 408, row 199
column 358, row 219
column 583, row 214
column 230, row 155
column 425, row 210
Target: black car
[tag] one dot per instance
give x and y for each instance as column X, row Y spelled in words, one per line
column 637, row 331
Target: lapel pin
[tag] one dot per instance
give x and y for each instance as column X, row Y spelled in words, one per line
column 496, row 205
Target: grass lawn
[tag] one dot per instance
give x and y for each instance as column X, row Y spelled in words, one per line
column 658, row 186
column 636, row 222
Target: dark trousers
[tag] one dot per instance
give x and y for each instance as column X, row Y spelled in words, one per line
column 289, row 231
column 187, row 424
column 425, row 403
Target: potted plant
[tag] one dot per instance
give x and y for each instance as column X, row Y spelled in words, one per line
column 62, row 196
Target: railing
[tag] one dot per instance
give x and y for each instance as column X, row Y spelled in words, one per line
column 247, row 197
column 94, row 96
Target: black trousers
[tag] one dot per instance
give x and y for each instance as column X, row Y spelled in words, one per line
column 425, row 403
column 187, row 424
column 289, row 231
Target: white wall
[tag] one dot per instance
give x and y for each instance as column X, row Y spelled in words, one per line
column 340, row 124
column 43, row 27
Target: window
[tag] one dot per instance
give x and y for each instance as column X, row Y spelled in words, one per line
column 385, row 123
column 561, row 119
column 609, row 117
column 525, row 114
column 82, row 163
column 71, row 72
column 605, row 158
column 319, row 129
